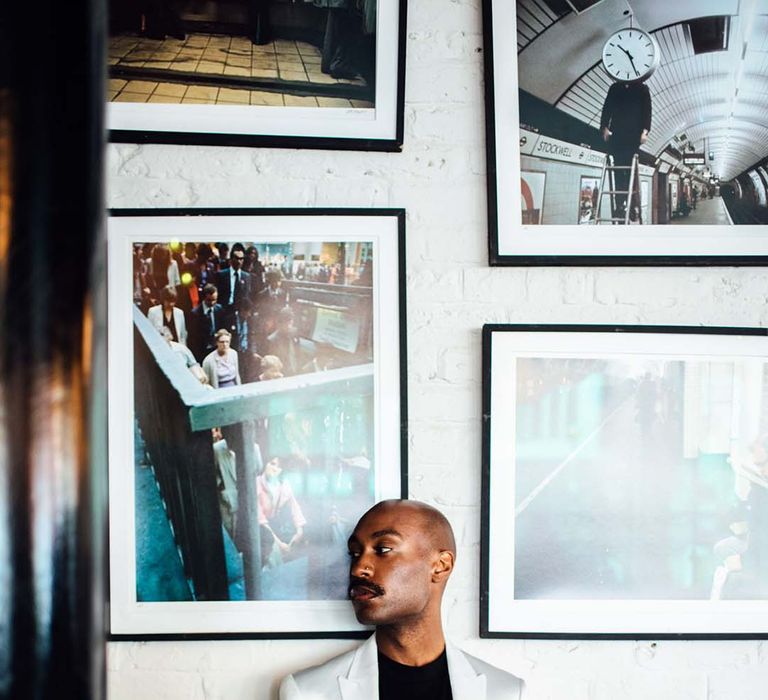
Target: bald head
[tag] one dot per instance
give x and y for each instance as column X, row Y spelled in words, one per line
column 401, row 555
column 430, row 521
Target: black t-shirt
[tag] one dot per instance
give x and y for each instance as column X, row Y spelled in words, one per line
column 400, row 682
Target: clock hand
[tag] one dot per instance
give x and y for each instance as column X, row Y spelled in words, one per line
column 631, row 59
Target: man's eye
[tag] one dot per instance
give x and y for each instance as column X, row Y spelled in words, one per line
column 353, row 555
column 383, row 550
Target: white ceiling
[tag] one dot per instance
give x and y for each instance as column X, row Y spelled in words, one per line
column 717, row 99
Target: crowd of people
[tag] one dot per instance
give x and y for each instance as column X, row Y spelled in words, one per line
column 231, row 312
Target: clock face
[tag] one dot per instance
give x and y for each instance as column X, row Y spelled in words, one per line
column 630, row 55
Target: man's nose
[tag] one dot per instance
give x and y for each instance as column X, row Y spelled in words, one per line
column 361, row 567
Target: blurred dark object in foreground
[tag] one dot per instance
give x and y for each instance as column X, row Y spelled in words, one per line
column 52, row 371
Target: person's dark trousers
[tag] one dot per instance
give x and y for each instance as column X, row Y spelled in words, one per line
column 163, row 18
column 124, row 16
column 259, row 27
column 622, row 156
column 338, row 44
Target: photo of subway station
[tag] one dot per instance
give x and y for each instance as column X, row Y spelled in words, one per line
column 282, row 53
column 643, row 112
column 641, row 479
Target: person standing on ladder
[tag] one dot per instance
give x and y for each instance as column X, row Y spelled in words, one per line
column 625, row 125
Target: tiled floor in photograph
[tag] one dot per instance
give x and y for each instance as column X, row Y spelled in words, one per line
column 210, row 54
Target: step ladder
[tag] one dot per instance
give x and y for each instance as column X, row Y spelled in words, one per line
column 633, row 193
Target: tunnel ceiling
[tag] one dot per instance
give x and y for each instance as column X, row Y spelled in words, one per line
column 717, row 99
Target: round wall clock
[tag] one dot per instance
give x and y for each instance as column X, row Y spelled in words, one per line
column 631, row 55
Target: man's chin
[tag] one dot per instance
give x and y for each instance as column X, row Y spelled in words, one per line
column 364, row 619
column 366, row 616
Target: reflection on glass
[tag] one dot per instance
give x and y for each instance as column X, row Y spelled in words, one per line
column 641, row 480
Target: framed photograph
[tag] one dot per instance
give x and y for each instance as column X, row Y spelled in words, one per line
column 625, row 482
column 257, row 410
column 682, row 178
column 287, row 73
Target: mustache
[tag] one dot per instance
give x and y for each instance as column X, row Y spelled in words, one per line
column 365, row 583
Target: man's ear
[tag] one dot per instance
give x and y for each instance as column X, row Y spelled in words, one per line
column 443, row 566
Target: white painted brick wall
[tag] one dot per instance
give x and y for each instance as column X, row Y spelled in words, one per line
column 440, row 179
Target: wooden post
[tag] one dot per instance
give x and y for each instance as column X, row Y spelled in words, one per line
column 208, row 566
column 248, row 518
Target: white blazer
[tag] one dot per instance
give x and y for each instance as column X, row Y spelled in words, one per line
column 355, row 676
column 155, row 316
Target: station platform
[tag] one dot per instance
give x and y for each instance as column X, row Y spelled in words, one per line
column 708, row 212
column 218, row 69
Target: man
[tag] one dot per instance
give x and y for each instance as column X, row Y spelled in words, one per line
column 221, row 259
column 269, row 301
column 402, row 553
column 234, row 288
column 253, row 266
column 284, row 343
column 226, row 480
column 202, row 268
column 625, row 125
column 204, row 320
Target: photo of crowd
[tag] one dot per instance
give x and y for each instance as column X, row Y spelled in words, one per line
column 237, row 313
column 244, row 316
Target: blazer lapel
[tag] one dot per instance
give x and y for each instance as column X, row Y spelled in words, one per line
column 466, row 684
column 362, row 681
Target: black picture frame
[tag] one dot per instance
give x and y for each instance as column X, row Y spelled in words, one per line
column 351, row 419
column 512, row 120
column 564, row 403
column 377, row 128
